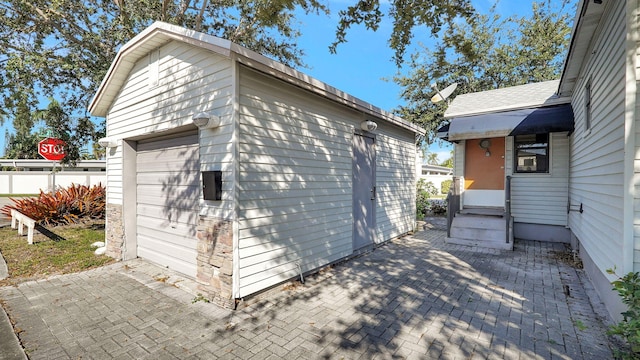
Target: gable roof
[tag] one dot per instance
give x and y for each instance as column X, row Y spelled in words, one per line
column 160, row 33
column 505, row 99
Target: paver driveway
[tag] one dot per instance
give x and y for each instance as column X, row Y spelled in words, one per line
column 415, row 297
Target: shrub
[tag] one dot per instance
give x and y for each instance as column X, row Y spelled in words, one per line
column 445, row 186
column 628, row 287
column 77, row 203
column 422, row 198
column 439, row 208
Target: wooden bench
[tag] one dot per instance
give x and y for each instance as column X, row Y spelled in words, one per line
column 19, row 221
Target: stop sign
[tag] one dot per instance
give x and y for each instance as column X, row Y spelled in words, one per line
column 52, row 149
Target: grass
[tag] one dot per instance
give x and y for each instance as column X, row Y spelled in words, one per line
column 70, row 252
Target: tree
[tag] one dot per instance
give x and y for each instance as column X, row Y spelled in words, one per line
column 74, row 131
column 406, row 17
column 449, row 161
column 486, row 54
column 432, row 158
column 63, row 48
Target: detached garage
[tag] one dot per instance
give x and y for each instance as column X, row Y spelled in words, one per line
column 240, row 172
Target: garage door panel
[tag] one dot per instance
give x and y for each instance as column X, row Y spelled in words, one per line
column 168, row 189
column 167, row 195
column 176, row 251
column 159, row 144
column 164, row 166
column 178, row 235
column 159, row 178
column 161, row 257
column 181, row 199
column 186, row 194
column 159, row 226
column 170, row 215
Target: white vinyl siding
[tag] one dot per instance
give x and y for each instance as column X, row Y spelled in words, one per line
column 395, row 183
column 295, row 181
column 458, row 158
column 541, row 198
column 295, row 199
column 190, row 80
column 597, row 155
column 458, row 165
column 636, row 162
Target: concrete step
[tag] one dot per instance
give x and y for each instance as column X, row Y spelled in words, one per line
column 503, row 245
column 479, row 222
column 483, row 210
column 479, row 231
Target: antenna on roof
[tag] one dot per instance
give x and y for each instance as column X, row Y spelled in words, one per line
column 444, row 94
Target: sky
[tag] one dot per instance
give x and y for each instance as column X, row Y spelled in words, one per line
column 363, row 66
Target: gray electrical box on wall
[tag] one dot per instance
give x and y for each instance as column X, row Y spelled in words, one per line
column 212, row 185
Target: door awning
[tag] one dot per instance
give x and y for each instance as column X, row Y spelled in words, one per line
column 509, row 123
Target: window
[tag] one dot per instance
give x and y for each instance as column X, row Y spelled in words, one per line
column 587, row 106
column 532, row 153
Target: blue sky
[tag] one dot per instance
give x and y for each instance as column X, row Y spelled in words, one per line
column 361, row 65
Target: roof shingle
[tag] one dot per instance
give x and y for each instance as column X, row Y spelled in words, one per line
column 511, row 98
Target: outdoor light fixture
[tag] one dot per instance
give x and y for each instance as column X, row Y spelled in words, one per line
column 106, row 142
column 205, row 120
column 368, row 125
column 484, row 145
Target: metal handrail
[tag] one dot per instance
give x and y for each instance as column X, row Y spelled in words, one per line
column 507, row 206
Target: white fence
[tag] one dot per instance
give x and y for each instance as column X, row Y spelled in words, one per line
column 31, row 182
column 437, row 180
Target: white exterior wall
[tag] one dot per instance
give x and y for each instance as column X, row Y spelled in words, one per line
column 31, row 182
column 189, row 80
column 458, row 158
column 295, row 181
column 635, row 179
column 436, row 180
column 541, row 198
column 597, row 155
column 395, row 183
column 458, row 167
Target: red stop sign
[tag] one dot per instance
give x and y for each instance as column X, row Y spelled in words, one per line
column 52, row 149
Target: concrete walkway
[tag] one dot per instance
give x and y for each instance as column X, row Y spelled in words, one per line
column 414, row 298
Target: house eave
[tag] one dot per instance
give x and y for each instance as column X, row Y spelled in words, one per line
column 586, row 24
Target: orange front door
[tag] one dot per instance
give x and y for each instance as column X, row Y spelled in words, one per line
column 484, row 165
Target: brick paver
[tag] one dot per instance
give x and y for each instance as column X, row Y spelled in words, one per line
column 414, row 298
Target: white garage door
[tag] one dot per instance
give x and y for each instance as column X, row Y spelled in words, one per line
column 168, row 190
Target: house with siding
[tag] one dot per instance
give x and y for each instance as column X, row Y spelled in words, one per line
column 243, row 173
column 593, row 169
column 511, row 165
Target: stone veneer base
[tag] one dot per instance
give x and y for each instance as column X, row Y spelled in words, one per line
column 114, row 234
column 215, row 260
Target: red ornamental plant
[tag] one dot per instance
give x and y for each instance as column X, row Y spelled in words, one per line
column 75, row 204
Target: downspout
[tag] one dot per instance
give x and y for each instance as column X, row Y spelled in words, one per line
column 629, row 194
column 235, row 277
